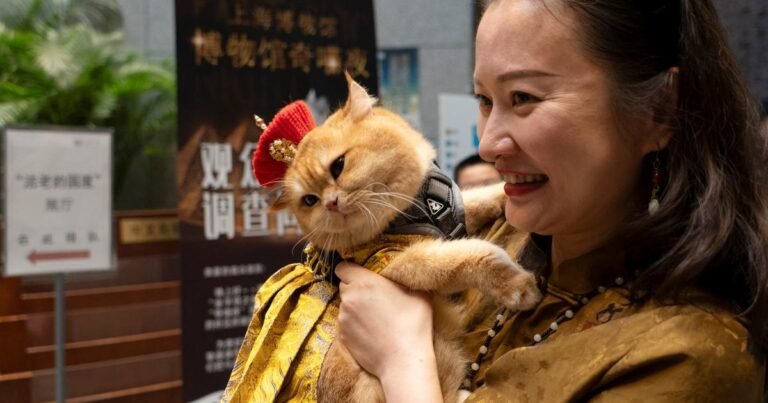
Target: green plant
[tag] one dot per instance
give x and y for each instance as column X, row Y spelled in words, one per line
column 63, row 63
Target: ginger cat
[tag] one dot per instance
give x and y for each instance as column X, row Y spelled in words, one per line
column 350, row 178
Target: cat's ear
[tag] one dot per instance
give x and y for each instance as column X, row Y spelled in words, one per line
column 280, row 202
column 359, row 103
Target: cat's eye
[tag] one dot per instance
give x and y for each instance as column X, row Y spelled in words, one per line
column 337, row 166
column 310, row 200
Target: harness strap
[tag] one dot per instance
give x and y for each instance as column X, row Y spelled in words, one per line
column 438, row 209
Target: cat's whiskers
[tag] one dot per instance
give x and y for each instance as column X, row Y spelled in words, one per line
column 386, row 203
column 369, row 214
column 305, row 237
column 384, row 185
column 400, row 196
column 282, row 184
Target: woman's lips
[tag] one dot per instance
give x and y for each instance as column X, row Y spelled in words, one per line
column 518, row 184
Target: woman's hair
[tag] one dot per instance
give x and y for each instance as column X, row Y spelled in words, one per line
column 712, row 228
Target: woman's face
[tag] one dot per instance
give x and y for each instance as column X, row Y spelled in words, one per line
column 547, row 123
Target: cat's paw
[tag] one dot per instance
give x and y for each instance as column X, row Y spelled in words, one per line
column 520, row 292
column 483, row 206
column 511, row 285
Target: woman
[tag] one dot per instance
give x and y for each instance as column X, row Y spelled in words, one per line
column 647, row 215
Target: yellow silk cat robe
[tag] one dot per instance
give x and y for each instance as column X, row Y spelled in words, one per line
column 293, row 326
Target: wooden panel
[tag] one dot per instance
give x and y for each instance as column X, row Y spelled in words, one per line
column 91, row 324
column 134, row 270
column 166, row 392
column 109, row 376
column 105, row 349
column 103, row 296
column 15, row 387
column 13, row 334
column 10, row 290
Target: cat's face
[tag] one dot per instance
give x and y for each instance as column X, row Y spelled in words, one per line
column 354, row 174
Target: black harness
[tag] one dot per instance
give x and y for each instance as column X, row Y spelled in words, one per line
column 437, row 211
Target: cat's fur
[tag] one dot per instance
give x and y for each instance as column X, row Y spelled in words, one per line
column 385, row 163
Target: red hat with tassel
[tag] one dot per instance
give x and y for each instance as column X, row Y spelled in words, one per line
column 277, row 144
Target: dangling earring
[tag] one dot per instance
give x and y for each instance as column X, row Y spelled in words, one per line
column 653, row 205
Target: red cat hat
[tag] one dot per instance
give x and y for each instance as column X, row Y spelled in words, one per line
column 277, row 144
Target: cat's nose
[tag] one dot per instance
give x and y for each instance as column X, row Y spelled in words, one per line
column 332, row 203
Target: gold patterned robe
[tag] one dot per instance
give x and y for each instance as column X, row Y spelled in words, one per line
column 614, row 349
column 293, row 325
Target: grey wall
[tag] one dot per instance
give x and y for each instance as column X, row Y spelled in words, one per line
column 150, row 27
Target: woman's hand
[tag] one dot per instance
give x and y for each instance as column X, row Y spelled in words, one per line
column 388, row 330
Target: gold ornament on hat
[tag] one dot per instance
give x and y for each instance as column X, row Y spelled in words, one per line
column 281, row 149
column 260, row 122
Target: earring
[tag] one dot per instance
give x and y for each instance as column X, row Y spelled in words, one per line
column 653, row 205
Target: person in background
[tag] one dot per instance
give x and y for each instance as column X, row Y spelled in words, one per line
column 634, row 168
column 473, row 172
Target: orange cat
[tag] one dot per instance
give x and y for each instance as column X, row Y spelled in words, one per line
column 354, row 180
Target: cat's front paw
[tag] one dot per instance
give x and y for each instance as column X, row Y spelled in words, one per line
column 511, row 285
column 520, row 292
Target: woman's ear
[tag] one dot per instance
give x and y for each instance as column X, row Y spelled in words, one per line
column 669, row 108
column 664, row 113
column 359, row 104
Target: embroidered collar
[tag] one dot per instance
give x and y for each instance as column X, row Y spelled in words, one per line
column 579, row 275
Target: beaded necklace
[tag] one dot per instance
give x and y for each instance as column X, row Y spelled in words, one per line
column 505, row 313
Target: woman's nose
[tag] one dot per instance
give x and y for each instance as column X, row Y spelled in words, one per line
column 496, row 138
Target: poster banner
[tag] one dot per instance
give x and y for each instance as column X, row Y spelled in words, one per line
column 236, row 59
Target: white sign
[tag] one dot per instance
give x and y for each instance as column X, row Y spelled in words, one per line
column 458, row 129
column 58, row 203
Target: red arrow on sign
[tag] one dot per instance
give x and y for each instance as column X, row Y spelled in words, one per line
column 35, row 256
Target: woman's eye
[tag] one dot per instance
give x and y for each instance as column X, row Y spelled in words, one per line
column 337, row 166
column 522, row 98
column 483, row 101
column 310, row 200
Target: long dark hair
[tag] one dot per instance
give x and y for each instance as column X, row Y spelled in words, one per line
column 711, row 231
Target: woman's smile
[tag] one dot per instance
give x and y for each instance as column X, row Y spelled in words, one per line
column 519, row 184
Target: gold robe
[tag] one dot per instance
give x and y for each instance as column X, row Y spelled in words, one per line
column 613, row 349
column 293, row 326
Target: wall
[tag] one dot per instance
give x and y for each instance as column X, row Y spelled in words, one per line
column 150, row 27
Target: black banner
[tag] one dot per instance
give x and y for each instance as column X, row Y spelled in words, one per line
column 236, row 59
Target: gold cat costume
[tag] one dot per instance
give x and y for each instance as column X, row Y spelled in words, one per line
column 293, row 327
